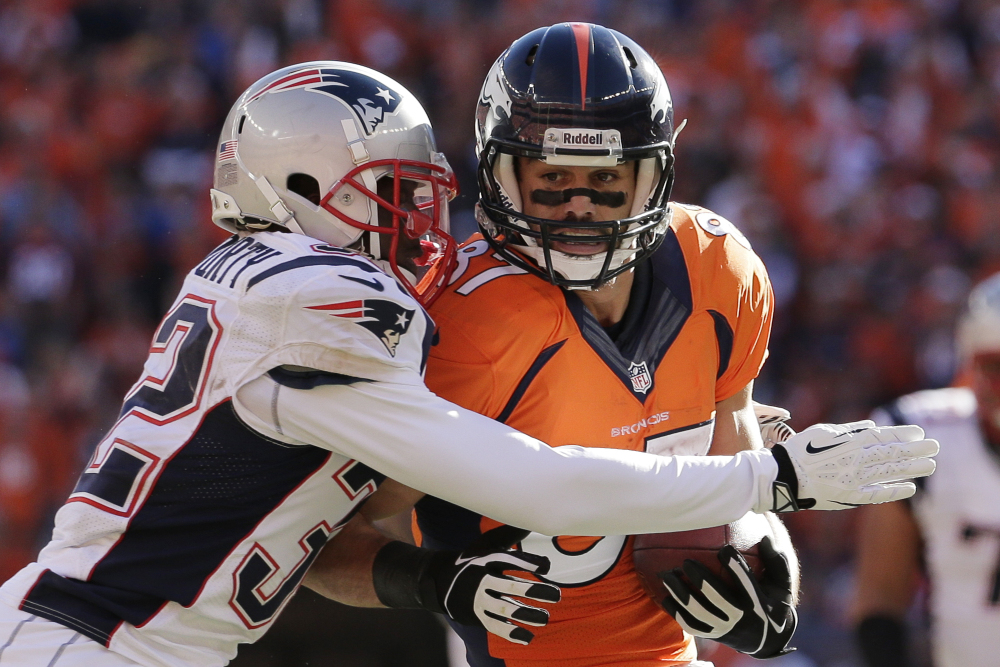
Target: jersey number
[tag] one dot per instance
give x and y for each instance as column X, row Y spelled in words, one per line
column 254, row 578
column 116, row 478
column 179, row 361
column 576, row 561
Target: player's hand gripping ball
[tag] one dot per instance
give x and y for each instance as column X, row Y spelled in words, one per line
column 728, row 584
column 749, row 614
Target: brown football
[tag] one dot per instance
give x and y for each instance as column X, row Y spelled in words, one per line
column 662, row 552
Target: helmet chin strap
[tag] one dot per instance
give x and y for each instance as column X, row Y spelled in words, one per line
column 278, row 208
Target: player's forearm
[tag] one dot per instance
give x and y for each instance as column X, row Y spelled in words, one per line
column 736, row 428
column 432, row 445
column 343, row 570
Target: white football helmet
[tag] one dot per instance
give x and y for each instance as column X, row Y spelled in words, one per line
column 305, row 147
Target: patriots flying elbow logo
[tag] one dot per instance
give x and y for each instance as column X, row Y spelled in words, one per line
column 369, row 99
column 386, row 319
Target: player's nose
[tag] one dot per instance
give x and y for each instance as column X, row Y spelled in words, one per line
column 581, row 206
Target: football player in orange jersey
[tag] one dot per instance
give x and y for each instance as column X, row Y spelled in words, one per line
column 594, row 311
column 645, row 332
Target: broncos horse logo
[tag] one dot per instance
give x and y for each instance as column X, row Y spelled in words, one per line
column 369, row 99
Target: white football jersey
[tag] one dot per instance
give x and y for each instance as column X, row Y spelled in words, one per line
column 188, row 531
column 958, row 511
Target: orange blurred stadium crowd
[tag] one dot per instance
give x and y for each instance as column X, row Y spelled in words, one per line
column 855, row 142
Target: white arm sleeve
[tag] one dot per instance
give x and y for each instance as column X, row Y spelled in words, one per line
column 414, row 437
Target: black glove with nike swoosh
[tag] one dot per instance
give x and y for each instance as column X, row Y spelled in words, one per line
column 756, row 618
column 835, row 466
column 471, row 587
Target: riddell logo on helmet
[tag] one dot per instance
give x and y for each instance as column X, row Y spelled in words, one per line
column 581, row 139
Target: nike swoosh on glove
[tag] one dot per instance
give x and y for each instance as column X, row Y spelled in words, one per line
column 756, row 618
column 473, row 587
column 835, row 466
column 477, row 589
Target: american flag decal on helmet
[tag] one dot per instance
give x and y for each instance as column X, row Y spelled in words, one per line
column 369, row 99
column 227, row 150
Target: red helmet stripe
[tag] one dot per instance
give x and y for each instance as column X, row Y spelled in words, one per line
column 581, row 31
column 300, row 78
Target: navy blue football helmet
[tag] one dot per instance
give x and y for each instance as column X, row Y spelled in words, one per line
column 584, row 95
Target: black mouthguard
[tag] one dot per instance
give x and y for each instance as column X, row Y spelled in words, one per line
column 559, row 197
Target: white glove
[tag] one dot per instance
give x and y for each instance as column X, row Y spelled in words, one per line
column 772, row 420
column 834, row 466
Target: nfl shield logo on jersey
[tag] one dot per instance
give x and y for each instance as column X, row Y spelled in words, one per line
column 641, row 380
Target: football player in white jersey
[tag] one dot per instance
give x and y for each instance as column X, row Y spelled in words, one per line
column 951, row 528
column 285, row 383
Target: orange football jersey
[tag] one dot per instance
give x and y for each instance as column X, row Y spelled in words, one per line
column 527, row 353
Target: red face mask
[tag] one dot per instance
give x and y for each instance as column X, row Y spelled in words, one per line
column 426, row 221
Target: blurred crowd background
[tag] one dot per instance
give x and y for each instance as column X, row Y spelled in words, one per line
column 854, row 142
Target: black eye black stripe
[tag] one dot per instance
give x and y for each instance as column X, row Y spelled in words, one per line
column 560, row 197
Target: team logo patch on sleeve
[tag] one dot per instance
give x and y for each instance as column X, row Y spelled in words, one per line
column 641, row 379
column 386, row 319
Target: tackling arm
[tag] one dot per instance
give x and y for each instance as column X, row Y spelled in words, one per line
column 411, row 435
column 343, row 571
column 363, row 568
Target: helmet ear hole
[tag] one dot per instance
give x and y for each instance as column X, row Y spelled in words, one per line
column 305, row 186
column 530, row 59
column 632, row 62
